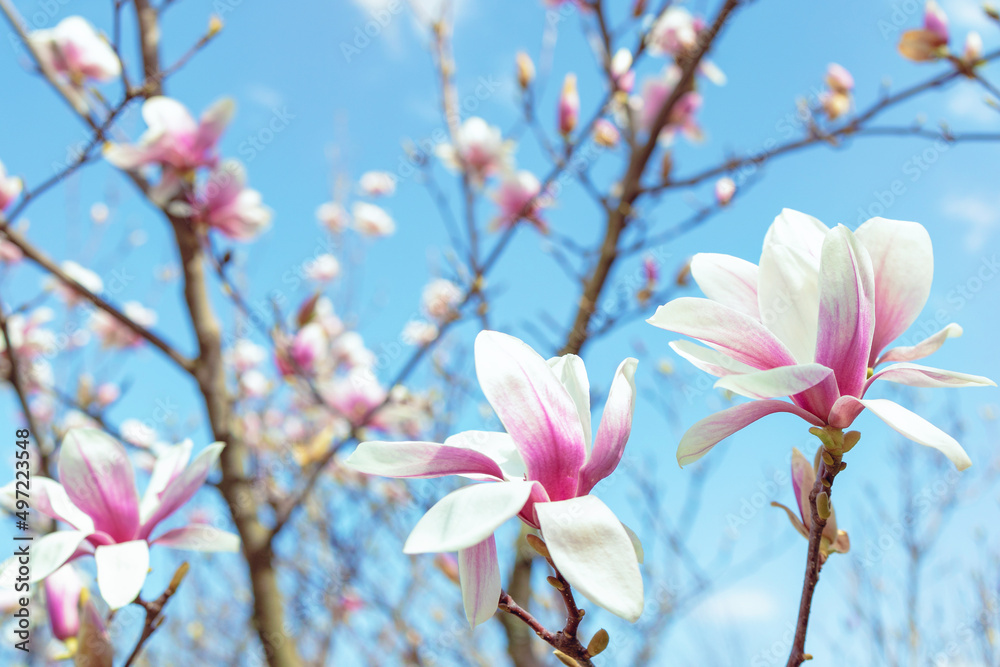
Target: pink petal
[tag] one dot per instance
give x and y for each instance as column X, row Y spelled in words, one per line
column 170, row 463
column 48, row 553
column 846, row 311
column 199, row 537
column 97, row 475
column 775, row 382
column 903, row 264
column 803, row 478
column 498, row 446
column 737, row 335
column 62, row 602
column 616, row 424
column 421, row 460
column 711, row 430
column 180, row 490
column 534, row 408
column 729, row 280
column 49, row 497
column 214, row 121
column 916, row 375
column 922, row 349
column 479, row 575
column 572, row 373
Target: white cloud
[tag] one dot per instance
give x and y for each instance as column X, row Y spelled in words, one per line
column 980, row 215
column 968, row 101
column 737, row 605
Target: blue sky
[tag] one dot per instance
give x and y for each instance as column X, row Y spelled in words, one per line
column 337, row 118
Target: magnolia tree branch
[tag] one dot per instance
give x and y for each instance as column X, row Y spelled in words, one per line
column 210, row 373
column 17, row 380
column 154, row 612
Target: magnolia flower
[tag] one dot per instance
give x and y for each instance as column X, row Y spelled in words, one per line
column 106, row 394
column 62, row 602
column 377, row 183
column 349, row 350
column 545, row 469
column 307, row 349
column 606, row 134
column 323, row 269
column 419, row 332
column 655, row 94
column 519, row 197
column 82, row 275
column 333, row 216
column 812, row 322
column 569, row 106
column 973, row 50
column 441, row 298
column 371, row 220
column 97, row 498
column 226, row 204
column 525, row 70
column 725, row 188
column 929, row 42
column 621, row 70
column 10, row 188
column 356, row 395
column 174, row 141
column 115, row 334
column 479, row 150
column 73, row 48
column 803, row 479
column 246, row 354
column 837, row 101
column 676, row 31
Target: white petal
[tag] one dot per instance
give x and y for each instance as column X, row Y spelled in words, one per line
column 709, row 360
column 593, row 552
column 46, row 555
column 572, row 373
column 916, row 375
column 729, row 280
column 777, row 382
column 498, row 446
column 922, row 349
column 466, row 517
column 918, row 429
column 121, row 571
column 479, row 575
column 199, row 537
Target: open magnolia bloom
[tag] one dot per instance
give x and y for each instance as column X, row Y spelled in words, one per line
column 546, row 469
column 98, row 500
column 812, row 322
column 803, row 479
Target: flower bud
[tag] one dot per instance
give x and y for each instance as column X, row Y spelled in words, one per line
column 525, row 70
column 569, row 106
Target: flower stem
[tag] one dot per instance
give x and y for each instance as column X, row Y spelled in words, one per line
column 814, row 558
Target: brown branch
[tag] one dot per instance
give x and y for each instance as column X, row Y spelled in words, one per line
column 831, row 463
column 154, row 612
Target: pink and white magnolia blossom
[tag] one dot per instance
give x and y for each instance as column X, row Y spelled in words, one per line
column 74, row 49
column 84, row 276
column 10, row 188
column 837, row 100
column 606, row 134
column 305, row 353
column 803, row 479
column 479, row 149
column 96, row 496
column 62, row 602
column 226, row 204
column 676, row 32
column 333, row 216
column 419, row 332
column 812, row 322
column 931, row 41
column 656, row 92
column 440, row 299
column 569, row 106
column 725, row 189
column 377, row 183
column 322, row 269
column 115, row 334
column 174, row 141
column 621, row 70
column 371, row 220
column 355, row 395
column 545, row 469
column 519, row 197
